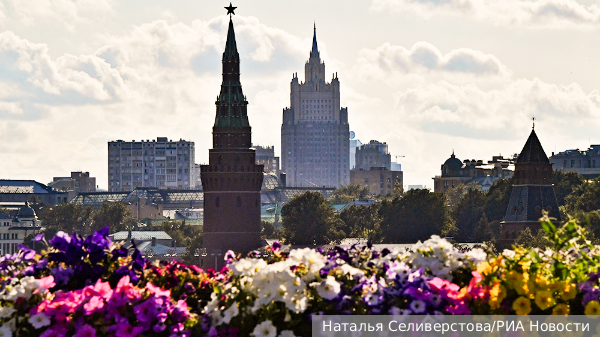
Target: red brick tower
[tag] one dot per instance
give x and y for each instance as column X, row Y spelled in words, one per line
column 231, row 181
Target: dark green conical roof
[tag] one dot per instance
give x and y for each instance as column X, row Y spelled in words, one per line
column 231, row 102
column 230, row 45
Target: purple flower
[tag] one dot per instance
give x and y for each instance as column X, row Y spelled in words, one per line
column 178, row 330
column 146, row 311
column 189, row 287
column 61, row 275
column 276, row 246
column 60, row 241
column 39, row 237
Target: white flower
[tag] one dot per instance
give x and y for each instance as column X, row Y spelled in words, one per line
column 5, row 331
column 477, row 255
column 417, row 306
column 508, row 253
column 39, row 320
column 287, row 333
column 265, row 329
column 354, row 272
column 6, row 311
column 372, row 299
column 328, row 288
column 398, row 312
column 230, row 313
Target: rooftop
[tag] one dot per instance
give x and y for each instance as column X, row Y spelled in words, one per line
column 140, row 235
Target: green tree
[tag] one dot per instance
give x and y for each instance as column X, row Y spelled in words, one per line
column 116, row 215
column 527, row 240
column 308, row 220
column 585, row 197
column 66, row 217
column 467, row 214
column 347, row 193
column 454, row 195
column 497, row 198
column 362, row 222
column 565, row 184
column 416, row 216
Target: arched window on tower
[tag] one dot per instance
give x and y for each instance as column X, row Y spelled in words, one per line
column 217, row 202
column 239, row 201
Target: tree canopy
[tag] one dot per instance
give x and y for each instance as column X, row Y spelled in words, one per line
column 348, row 193
column 308, row 219
column 416, row 216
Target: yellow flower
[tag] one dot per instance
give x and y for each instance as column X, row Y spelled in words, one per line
column 544, row 299
column 521, row 287
column 497, row 294
column 484, row 268
column 592, row 308
column 561, row 309
column 522, row 306
column 569, row 291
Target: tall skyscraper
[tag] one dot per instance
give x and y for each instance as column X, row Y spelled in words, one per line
column 315, row 136
column 160, row 163
column 231, row 181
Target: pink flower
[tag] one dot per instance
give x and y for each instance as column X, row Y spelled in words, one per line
column 158, row 291
column 180, row 312
column 103, row 289
column 178, row 330
column 85, row 331
column 437, row 285
column 95, row 303
column 45, row 283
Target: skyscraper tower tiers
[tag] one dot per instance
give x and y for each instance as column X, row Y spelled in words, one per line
column 315, row 135
column 231, row 181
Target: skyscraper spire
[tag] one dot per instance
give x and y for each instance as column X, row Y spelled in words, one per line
column 314, row 53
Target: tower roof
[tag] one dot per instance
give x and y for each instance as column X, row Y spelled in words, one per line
column 532, row 151
column 230, row 45
column 315, row 50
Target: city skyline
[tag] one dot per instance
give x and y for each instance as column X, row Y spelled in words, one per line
column 424, row 77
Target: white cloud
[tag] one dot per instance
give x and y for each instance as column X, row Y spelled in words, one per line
column 554, row 14
column 67, row 12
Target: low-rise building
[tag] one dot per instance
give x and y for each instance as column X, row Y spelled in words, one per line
column 154, row 245
column 456, row 172
column 586, row 163
column 14, row 230
column 380, row 180
column 78, row 182
column 265, row 155
column 22, row 190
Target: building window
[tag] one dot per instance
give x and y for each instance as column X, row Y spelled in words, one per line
column 217, row 202
column 239, row 201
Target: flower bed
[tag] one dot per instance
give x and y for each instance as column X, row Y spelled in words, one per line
column 91, row 287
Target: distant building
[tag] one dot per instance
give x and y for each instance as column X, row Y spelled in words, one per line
column 265, row 155
column 22, row 190
column 532, row 192
column 14, row 230
column 586, row 163
column 196, row 177
column 455, row 172
column 380, row 180
column 154, row 245
column 354, row 144
column 315, row 134
column 141, row 208
column 78, row 182
column 160, row 163
column 373, row 154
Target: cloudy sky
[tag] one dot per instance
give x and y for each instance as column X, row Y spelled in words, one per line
column 426, row 76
